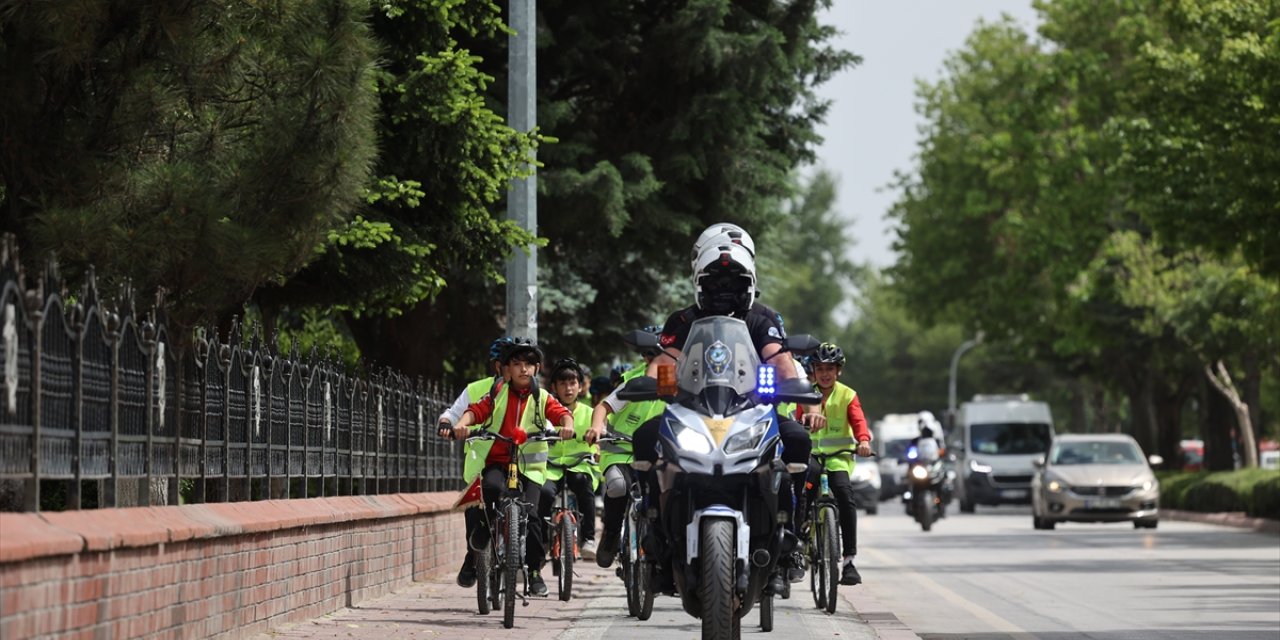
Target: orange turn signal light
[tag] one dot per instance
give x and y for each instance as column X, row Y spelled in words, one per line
column 667, row 380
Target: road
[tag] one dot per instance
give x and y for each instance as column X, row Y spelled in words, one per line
column 991, row 576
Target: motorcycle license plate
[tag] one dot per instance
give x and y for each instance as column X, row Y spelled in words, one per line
column 1102, row 503
column 1013, row 493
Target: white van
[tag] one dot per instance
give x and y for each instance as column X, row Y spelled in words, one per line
column 995, row 442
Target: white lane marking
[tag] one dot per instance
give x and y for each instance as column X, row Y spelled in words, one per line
column 996, row 622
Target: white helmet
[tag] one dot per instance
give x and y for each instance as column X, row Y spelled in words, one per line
column 724, row 279
column 722, row 233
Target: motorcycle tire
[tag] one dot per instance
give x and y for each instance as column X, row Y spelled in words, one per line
column 567, row 533
column 830, row 567
column 716, row 561
column 924, row 510
column 515, row 556
column 484, row 567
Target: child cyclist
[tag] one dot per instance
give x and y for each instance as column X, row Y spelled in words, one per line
column 845, row 427
column 516, row 406
column 584, row 477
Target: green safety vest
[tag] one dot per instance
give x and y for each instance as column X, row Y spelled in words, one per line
column 626, row 422
column 533, row 455
column 563, row 452
column 838, row 434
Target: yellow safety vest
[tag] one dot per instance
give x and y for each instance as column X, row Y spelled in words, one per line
column 563, row 452
column 838, row 434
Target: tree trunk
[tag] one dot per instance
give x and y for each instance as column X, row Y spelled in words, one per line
column 1221, row 380
column 1215, row 429
column 1168, row 412
column 1141, row 413
column 1080, row 408
column 1251, row 387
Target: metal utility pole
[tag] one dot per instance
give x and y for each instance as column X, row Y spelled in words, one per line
column 522, row 201
column 951, row 385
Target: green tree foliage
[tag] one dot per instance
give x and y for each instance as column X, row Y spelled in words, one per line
column 203, row 147
column 1201, row 141
column 1028, row 215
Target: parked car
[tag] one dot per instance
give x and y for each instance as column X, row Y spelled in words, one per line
column 866, row 485
column 1192, row 454
column 1095, row 478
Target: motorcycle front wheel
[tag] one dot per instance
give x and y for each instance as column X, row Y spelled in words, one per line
column 715, row 587
column 924, row 509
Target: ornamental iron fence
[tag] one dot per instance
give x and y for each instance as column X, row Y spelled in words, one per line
column 98, row 398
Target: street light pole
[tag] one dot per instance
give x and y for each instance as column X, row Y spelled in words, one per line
column 522, row 201
column 951, row 385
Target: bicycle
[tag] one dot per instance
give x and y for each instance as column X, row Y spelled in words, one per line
column 635, row 564
column 562, row 526
column 823, row 539
column 498, row 565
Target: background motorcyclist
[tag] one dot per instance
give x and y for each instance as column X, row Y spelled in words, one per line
column 929, row 451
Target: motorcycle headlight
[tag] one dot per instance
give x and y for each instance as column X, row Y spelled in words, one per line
column 689, row 439
column 747, row 439
column 978, row 467
column 919, row 473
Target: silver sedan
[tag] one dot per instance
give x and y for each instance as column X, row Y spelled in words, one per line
column 1095, row 478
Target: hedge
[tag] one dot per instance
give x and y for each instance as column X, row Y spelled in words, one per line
column 1253, row 491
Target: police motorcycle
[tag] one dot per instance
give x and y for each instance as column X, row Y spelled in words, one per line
column 926, row 496
column 719, row 469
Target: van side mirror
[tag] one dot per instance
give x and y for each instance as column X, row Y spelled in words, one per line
column 1155, row 460
column 1038, row 462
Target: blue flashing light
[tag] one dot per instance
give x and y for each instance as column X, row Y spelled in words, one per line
column 765, row 380
column 912, row 454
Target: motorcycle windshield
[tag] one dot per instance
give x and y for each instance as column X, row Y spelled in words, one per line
column 719, row 363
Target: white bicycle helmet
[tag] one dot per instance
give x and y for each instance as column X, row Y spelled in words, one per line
column 722, row 233
column 724, row 279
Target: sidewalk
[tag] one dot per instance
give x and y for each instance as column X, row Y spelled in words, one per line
column 1227, row 518
column 438, row 608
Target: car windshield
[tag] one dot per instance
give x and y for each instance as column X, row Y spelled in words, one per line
column 719, row 364
column 1010, row 438
column 1096, row 452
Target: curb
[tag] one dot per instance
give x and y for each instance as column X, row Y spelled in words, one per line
column 884, row 622
column 1236, row 519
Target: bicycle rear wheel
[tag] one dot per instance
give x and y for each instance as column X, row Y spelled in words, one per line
column 484, row 570
column 643, row 572
column 515, row 555
column 627, row 558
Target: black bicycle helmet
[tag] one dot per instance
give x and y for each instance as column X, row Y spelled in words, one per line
column 570, row 364
column 520, row 346
column 829, row 353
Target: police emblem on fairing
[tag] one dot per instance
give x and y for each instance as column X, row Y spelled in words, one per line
column 718, row 358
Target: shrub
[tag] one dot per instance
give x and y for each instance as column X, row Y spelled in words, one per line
column 1253, row 491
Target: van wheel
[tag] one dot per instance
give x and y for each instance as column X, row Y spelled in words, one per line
column 966, row 506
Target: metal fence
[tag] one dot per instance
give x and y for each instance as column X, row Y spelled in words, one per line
column 96, row 396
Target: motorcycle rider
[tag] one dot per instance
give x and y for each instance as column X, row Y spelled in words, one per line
column 724, row 280
column 845, row 426
column 472, row 393
column 929, row 451
column 516, row 405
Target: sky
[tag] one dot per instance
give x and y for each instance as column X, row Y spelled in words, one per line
column 871, row 128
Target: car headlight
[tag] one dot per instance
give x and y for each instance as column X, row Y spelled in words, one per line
column 1054, row 486
column 1148, row 485
column 747, row 439
column 689, row 439
column 978, row 467
column 919, row 472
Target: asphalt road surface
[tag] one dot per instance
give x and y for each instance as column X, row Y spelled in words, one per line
column 990, row 575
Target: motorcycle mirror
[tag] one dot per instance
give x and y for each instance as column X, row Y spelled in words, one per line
column 801, row 343
column 639, row 389
column 795, row 390
column 640, row 339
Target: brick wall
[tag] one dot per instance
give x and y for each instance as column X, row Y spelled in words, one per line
column 224, row 570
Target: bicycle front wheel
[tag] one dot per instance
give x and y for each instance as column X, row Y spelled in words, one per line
column 643, row 572
column 484, row 569
column 515, row 554
column 829, row 542
column 566, row 532
column 627, row 557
